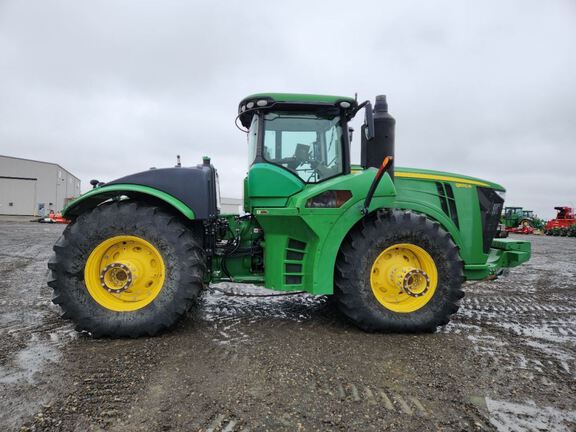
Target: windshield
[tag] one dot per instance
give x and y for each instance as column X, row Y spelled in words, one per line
column 308, row 145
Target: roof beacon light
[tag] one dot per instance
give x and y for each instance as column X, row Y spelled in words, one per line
column 262, row 102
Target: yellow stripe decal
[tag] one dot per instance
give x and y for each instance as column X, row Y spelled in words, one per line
column 438, row 177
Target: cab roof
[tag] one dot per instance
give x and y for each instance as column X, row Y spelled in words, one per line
column 251, row 103
column 300, row 97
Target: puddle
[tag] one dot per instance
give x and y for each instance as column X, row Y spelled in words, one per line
column 457, row 327
column 29, row 362
column 564, row 358
column 230, row 315
column 215, row 305
column 516, row 417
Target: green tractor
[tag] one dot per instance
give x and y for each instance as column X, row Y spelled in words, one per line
column 531, row 219
column 514, row 217
column 392, row 245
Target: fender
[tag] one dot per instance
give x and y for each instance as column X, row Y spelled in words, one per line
column 191, row 191
column 95, row 197
column 325, row 262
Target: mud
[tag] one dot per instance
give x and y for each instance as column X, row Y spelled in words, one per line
column 506, row 362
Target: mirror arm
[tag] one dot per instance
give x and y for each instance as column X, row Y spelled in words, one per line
column 359, row 107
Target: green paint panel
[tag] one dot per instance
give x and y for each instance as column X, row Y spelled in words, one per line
column 270, row 186
column 503, row 254
column 421, row 174
column 432, row 175
column 324, row 229
column 320, row 229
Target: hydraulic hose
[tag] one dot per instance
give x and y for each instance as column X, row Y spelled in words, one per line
column 375, row 183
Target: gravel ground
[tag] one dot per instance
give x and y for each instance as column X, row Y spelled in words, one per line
column 507, row 361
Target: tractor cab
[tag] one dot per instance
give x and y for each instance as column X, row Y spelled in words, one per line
column 564, row 212
column 513, row 211
column 298, row 141
column 529, row 214
column 304, row 135
column 293, row 141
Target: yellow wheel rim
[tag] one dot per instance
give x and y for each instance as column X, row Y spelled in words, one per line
column 124, row 273
column 404, row 278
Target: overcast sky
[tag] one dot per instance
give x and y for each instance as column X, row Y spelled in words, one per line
column 106, row 88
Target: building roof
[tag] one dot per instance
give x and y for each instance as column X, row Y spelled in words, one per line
column 42, row 162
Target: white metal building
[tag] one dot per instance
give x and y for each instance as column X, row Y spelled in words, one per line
column 29, row 187
column 231, row 205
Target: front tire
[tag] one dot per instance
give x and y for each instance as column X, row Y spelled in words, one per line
column 126, row 269
column 398, row 271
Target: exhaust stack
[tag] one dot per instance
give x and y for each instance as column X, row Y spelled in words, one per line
column 375, row 149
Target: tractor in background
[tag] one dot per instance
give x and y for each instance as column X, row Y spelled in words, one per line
column 519, row 221
column 563, row 225
column 530, row 218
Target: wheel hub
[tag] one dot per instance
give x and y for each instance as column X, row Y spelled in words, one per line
column 412, row 281
column 116, row 278
column 404, row 277
column 124, row 273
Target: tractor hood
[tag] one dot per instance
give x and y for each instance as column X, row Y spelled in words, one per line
column 424, row 174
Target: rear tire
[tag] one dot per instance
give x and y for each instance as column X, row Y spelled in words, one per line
column 166, row 259
column 356, row 292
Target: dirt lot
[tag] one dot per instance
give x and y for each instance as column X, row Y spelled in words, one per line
column 507, row 361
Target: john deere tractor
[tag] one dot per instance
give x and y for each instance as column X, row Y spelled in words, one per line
column 392, row 245
column 514, row 217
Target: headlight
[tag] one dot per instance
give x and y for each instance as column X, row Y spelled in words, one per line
column 329, row 199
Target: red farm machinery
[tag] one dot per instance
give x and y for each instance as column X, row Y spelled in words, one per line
column 563, row 225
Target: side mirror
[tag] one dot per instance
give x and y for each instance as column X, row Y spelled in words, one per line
column 368, row 121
